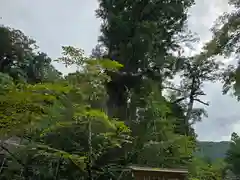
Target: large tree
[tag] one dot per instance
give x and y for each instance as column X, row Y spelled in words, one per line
column 141, row 35
column 225, row 42
column 195, row 71
column 232, row 158
column 145, row 37
column 19, row 57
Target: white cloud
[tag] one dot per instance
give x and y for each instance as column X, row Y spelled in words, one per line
column 54, row 23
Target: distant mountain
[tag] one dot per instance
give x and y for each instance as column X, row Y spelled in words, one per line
column 212, row 150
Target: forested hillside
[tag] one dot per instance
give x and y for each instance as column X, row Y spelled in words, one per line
column 121, row 107
column 213, row 150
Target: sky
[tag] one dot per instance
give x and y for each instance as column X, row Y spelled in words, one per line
column 57, row 23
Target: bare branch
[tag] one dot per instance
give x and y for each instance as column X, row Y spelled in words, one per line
column 198, row 100
column 172, row 88
column 180, row 99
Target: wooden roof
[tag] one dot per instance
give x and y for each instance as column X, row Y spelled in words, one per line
column 9, row 144
column 159, row 170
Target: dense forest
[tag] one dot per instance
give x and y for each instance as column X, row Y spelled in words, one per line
column 122, row 106
column 212, row 150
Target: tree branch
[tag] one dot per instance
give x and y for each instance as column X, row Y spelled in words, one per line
column 200, row 94
column 172, row 88
column 198, row 100
column 180, row 99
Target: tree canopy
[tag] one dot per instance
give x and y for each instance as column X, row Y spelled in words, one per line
column 120, row 107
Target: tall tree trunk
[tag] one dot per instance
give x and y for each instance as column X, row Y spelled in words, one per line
column 188, row 114
column 189, row 107
column 89, row 163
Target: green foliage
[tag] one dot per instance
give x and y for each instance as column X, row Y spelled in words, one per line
column 141, row 35
column 231, row 80
column 21, row 60
column 225, row 33
column 232, row 157
column 225, row 42
column 24, row 104
column 170, row 149
column 212, row 150
column 202, row 170
column 111, row 112
column 195, row 71
column 82, row 94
